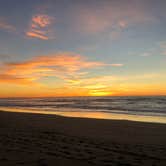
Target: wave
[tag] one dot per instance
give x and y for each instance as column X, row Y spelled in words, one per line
column 154, row 105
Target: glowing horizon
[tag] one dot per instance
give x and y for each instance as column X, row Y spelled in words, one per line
column 96, row 48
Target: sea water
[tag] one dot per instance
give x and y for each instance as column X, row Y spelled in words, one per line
column 139, row 108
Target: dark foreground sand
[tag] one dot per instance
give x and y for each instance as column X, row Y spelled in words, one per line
column 48, row 140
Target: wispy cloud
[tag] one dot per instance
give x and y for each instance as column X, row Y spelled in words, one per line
column 62, row 65
column 4, row 25
column 41, row 21
column 146, row 54
column 112, row 85
column 40, row 27
column 117, row 64
column 110, row 16
column 158, row 49
column 96, row 86
column 163, row 47
column 7, row 78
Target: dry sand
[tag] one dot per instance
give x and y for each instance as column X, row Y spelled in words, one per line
column 48, row 140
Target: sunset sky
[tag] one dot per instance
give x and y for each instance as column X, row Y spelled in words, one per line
column 82, row 47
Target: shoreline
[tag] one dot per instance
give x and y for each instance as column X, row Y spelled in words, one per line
column 35, row 138
column 92, row 115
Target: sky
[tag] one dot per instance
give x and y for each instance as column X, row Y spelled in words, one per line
column 82, row 48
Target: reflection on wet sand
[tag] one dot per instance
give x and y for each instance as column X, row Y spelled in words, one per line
column 96, row 115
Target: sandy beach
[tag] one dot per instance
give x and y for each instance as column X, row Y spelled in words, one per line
column 46, row 140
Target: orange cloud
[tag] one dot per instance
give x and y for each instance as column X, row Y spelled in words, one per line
column 36, row 35
column 39, row 27
column 117, row 64
column 95, row 86
column 62, row 65
column 7, row 78
column 41, row 20
column 71, row 70
column 118, row 85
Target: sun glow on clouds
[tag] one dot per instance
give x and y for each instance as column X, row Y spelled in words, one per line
column 62, row 65
column 100, row 93
column 39, row 27
column 88, row 27
column 71, row 69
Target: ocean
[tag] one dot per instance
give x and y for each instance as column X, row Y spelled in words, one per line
column 137, row 108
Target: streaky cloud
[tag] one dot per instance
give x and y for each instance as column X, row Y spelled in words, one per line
column 4, row 25
column 40, row 27
column 61, row 65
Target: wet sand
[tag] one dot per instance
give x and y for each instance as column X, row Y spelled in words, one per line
column 46, row 140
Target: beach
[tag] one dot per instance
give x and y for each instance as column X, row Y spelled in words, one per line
column 46, row 140
column 82, row 83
